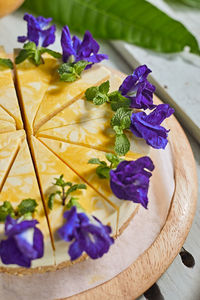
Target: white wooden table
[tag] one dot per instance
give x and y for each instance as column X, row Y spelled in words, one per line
column 178, row 282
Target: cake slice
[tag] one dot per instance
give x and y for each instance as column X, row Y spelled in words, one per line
column 82, row 110
column 8, row 97
column 9, row 146
column 7, row 123
column 61, row 94
column 49, row 167
column 20, row 184
column 96, row 134
column 4, row 116
column 32, row 83
column 76, row 157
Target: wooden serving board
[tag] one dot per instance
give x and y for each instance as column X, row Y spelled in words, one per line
column 149, row 266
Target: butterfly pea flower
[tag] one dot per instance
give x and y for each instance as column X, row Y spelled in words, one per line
column 86, row 234
column 24, row 242
column 75, row 50
column 138, row 89
column 148, row 126
column 38, row 32
column 130, row 180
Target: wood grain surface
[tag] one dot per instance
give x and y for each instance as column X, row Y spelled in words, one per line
column 146, row 270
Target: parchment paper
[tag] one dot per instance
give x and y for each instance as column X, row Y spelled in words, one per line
column 138, row 236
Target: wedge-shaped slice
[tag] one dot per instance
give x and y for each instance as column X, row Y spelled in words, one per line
column 21, row 183
column 9, row 146
column 96, row 134
column 82, row 110
column 6, row 126
column 61, row 94
column 8, row 97
column 4, row 116
column 49, row 166
column 7, row 123
column 76, row 157
column 32, row 83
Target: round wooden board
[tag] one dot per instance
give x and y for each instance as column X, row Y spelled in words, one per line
column 149, row 266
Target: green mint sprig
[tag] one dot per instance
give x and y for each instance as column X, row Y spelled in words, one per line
column 100, row 94
column 103, row 169
column 6, row 62
column 122, row 118
column 70, row 72
column 34, row 53
column 66, row 188
column 26, row 208
column 120, row 122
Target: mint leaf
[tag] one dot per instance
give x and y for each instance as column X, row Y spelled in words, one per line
column 104, row 87
column 59, row 181
column 100, row 99
column 113, row 159
column 98, row 94
column 30, row 46
column 50, row 52
column 122, row 118
column 122, row 144
column 6, row 62
column 120, row 20
column 118, row 130
column 70, row 72
column 91, row 93
column 80, row 66
column 73, row 202
column 52, row 198
column 103, row 172
column 117, row 101
column 5, row 210
column 27, row 206
column 34, row 53
column 75, row 187
column 23, row 55
column 67, row 72
column 95, row 161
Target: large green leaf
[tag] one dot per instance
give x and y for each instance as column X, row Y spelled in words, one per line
column 134, row 21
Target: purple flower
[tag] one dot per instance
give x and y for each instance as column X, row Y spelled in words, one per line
column 148, row 126
column 24, row 242
column 37, row 31
column 75, row 50
column 87, row 235
column 138, row 89
column 130, row 181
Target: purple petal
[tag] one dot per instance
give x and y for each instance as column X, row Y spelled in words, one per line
column 24, row 246
column 66, row 232
column 43, row 22
column 76, row 43
column 92, row 238
column 130, row 180
column 67, row 44
column 161, row 112
column 38, row 242
column 10, row 254
column 137, row 88
column 35, row 32
column 22, row 39
column 12, row 227
column 96, row 58
column 148, row 126
column 88, row 46
column 75, row 250
column 48, row 36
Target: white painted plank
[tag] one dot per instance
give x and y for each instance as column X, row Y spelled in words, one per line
column 176, row 76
